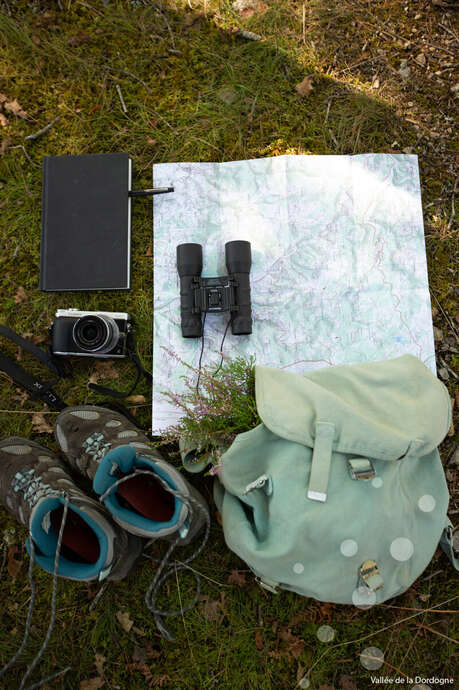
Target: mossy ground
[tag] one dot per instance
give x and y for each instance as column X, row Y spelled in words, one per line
column 196, row 90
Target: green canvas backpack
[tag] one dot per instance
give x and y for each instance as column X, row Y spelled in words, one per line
column 339, row 494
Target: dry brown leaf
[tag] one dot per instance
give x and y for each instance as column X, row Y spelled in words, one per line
column 237, row 577
column 20, row 295
column 299, row 673
column 160, row 681
column 3, row 120
column 295, row 645
column 139, row 659
column 300, row 618
column 191, row 18
column 326, row 611
column 139, row 631
column 3, row 98
column 103, row 370
column 136, row 399
column 211, row 609
column 247, row 8
column 149, row 250
column 92, row 683
column 421, row 59
column 35, row 338
column 151, row 142
column 14, row 107
column 14, row 564
column 152, row 653
column 346, row 682
column 227, row 95
column 99, row 661
column 20, row 396
column 40, row 424
column 124, row 620
column 259, row 641
column 139, row 656
column 305, row 87
column 79, row 39
column 4, row 143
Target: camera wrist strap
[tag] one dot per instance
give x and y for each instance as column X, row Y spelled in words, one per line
column 131, row 349
column 30, row 382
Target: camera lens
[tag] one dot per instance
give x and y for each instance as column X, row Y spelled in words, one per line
column 90, row 333
column 96, row 334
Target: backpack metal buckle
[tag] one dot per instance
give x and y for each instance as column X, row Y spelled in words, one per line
column 370, row 576
column 361, row 468
column 269, row 586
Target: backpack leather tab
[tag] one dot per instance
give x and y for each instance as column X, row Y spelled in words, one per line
column 321, row 461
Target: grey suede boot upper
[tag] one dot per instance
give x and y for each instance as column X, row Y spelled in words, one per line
column 130, row 476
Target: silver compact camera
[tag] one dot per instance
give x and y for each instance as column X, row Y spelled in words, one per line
column 100, row 334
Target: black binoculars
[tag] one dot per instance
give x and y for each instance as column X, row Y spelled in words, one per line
column 225, row 293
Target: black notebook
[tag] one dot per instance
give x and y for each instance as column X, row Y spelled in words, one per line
column 86, row 222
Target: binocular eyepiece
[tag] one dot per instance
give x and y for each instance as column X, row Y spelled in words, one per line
column 225, row 293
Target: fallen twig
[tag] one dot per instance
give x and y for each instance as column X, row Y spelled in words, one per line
column 21, row 146
column 445, row 315
column 304, row 22
column 412, row 608
column 357, row 64
column 249, row 35
column 386, row 663
column 168, row 26
column 123, row 104
column 429, row 577
column 451, row 371
column 134, row 76
column 449, row 31
column 426, row 627
column 43, row 130
column 453, row 210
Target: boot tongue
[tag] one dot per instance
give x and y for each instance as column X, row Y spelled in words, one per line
column 119, row 460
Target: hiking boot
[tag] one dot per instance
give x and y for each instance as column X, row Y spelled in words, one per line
column 33, row 488
column 107, row 447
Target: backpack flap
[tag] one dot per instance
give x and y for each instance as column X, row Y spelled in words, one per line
column 389, row 410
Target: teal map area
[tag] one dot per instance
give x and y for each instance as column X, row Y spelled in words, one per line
column 339, row 269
